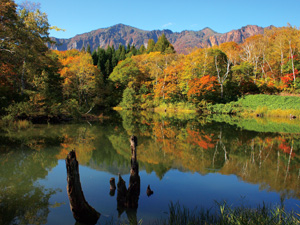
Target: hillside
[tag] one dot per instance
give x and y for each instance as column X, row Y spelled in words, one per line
column 182, row 41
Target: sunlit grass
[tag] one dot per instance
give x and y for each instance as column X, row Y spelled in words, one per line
column 262, row 106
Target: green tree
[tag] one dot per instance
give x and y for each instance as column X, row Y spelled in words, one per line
column 128, row 98
column 88, row 50
column 35, row 34
column 150, row 46
column 142, row 50
column 163, row 45
column 53, row 91
column 9, row 52
column 95, row 57
column 128, row 48
column 122, row 53
column 133, row 50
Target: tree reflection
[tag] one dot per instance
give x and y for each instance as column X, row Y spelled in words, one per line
column 22, row 199
column 267, row 158
column 127, row 199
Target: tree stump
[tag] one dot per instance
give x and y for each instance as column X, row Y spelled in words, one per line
column 82, row 211
column 112, row 187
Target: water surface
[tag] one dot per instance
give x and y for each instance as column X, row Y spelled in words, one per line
column 187, row 159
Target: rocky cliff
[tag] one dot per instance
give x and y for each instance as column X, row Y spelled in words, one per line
column 182, row 41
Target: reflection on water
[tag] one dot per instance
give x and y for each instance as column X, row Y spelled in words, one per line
column 264, row 153
column 128, row 199
column 22, row 199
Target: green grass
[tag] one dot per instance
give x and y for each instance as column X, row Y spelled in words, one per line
column 262, row 105
column 224, row 214
column 270, row 101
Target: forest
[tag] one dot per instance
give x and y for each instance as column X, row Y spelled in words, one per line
column 43, row 84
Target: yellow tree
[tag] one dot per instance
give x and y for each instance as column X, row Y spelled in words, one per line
column 232, row 50
column 80, row 76
column 251, row 52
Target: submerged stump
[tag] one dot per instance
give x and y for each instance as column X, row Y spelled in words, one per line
column 82, row 211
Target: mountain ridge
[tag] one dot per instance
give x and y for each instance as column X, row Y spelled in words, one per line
column 182, row 41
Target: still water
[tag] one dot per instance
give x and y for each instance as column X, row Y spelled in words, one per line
column 198, row 162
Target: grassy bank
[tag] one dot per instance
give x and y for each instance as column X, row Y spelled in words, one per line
column 222, row 214
column 260, row 105
column 225, row 214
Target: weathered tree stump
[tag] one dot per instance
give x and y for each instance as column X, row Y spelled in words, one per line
column 112, row 188
column 121, row 192
column 82, row 211
column 149, row 192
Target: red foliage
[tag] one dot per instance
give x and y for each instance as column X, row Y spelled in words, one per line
column 288, row 78
column 199, row 87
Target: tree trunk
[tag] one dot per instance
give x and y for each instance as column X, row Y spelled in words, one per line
column 22, row 78
column 82, row 211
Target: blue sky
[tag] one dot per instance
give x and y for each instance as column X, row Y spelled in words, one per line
column 81, row 16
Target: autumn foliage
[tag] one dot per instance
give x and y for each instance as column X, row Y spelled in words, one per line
column 76, row 82
column 203, row 88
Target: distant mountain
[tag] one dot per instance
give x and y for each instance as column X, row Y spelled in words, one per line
column 182, row 41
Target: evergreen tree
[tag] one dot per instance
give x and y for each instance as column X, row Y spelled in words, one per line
column 122, row 53
column 133, row 50
column 142, row 50
column 108, row 69
column 114, row 61
column 118, row 52
column 113, row 49
column 128, row 48
column 150, row 46
column 88, row 50
column 101, row 60
column 95, row 57
column 108, row 53
column 162, row 45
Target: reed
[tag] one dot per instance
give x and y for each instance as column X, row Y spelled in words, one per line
column 224, row 214
column 22, row 124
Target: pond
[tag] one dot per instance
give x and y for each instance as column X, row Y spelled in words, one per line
column 197, row 162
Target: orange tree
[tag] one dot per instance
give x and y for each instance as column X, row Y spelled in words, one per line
column 204, row 88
